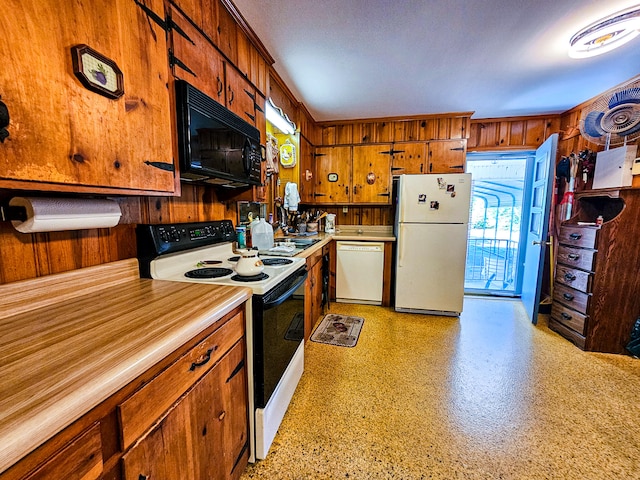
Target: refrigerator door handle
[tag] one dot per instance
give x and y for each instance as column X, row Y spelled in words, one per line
column 401, row 245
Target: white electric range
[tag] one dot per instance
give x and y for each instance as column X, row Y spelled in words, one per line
column 203, row 253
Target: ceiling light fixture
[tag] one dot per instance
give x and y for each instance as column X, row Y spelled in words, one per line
column 606, row 34
column 279, row 119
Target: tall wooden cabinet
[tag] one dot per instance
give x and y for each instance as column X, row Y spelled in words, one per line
column 596, row 297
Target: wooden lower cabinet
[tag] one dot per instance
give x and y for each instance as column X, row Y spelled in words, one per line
column 186, row 418
column 313, row 290
column 204, row 435
column 81, row 459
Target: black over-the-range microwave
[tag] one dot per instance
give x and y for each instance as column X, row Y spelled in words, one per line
column 215, row 145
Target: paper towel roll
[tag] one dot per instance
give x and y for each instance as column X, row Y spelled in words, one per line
column 57, row 214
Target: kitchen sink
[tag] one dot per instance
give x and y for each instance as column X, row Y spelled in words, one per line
column 304, row 242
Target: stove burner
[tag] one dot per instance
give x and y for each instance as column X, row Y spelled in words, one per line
column 252, row 278
column 233, row 259
column 208, row 273
column 276, row 261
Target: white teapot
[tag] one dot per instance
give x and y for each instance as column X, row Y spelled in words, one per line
column 249, row 263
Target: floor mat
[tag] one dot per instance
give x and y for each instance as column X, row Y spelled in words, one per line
column 339, row 330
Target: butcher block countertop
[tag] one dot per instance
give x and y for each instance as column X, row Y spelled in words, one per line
column 69, row 341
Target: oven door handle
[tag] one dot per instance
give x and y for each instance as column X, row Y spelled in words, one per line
column 288, row 293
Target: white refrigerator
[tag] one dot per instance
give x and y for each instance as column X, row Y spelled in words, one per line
column 432, row 222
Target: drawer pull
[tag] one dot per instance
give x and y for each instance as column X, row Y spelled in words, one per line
column 143, row 477
column 569, row 277
column 573, row 256
column 575, row 236
column 205, row 359
column 566, row 316
column 222, row 415
column 568, row 296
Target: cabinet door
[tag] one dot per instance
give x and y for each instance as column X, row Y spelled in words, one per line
column 307, row 171
column 241, row 96
column 447, row 156
column 205, row 435
column 203, row 13
column 313, row 293
column 371, row 176
column 196, row 60
column 409, row 158
column 62, row 133
column 333, row 179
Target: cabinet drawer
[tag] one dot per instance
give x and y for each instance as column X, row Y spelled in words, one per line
column 573, row 278
column 80, row 460
column 578, row 236
column 576, row 257
column 571, row 298
column 568, row 317
column 144, row 407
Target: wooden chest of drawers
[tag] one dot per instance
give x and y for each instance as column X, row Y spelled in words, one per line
column 596, row 296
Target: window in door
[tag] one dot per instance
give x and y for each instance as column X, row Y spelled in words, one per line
column 495, row 225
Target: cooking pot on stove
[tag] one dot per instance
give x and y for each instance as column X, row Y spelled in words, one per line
column 249, row 263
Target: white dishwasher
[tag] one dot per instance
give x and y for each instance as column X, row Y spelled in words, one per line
column 359, row 272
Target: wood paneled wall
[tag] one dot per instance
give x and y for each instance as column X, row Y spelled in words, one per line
column 24, row 256
column 513, row 133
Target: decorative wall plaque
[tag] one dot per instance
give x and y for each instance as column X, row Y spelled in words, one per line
column 96, row 72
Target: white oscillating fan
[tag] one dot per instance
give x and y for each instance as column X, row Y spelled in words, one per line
column 613, row 119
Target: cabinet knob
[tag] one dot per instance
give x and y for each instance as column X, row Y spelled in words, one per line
column 568, row 296
column 569, row 277
column 575, row 236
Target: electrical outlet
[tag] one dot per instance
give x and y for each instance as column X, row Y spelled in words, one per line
column 345, row 209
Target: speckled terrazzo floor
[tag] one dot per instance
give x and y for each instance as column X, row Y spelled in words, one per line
column 485, row 396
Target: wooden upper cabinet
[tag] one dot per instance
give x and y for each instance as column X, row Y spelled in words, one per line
column 371, row 174
column 66, row 137
column 241, row 95
column 307, row 171
column 352, row 174
column 447, row 156
column 409, row 158
column 227, row 36
column 196, row 60
column 203, row 13
column 333, row 175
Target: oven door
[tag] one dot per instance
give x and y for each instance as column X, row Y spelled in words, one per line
column 278, row 330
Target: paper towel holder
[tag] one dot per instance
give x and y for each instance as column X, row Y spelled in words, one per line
column 42, row 214
column 10, row 212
